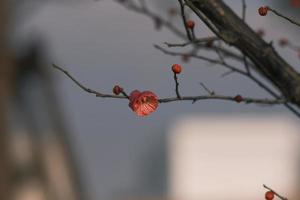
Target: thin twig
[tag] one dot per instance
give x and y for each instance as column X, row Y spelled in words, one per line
column 213, row 61
column 206, row 89
column 275, row 193
column 145, row 11
column 244, row 19
column 234, row 69
column 246, row 65
column 221, row 56
column 177, row 86
column 98, row 94
column 285, row 17
column 125, row 94
column 244, row 10
column 193, row 34
column 227, row 73
column 171, row 99
column 225, row 52
column 188, row 34
column 221, row 97
column 194, row 42
column 202, row 17
column 176, row 31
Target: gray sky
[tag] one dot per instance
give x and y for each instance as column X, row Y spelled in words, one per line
column 103, row 44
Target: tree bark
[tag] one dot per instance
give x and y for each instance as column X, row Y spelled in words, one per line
column 234, row 31
column 5, row 69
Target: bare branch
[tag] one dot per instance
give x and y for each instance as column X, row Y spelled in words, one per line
column 176, row 86
column 233, row 69
column 190, row 37
column 213, row 61
column 244, row 10
column 98, row 94
column 275, row 193
column 145, row 11
column 206, row 89
column 194, row 42
column 232, row 30
column 284, row 17
column 215, row 28
column 173, row 29
column 171, row 99
column 221, row 97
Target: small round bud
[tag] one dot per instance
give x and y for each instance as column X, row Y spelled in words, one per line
column 117, row 90
column 269, row 195
column 176, row 68
column 263, row 10
column 190, row 24
column 238, row 98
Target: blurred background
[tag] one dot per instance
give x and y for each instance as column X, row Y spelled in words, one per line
column 58, row 142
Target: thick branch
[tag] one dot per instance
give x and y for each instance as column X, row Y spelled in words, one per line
column 234, row 31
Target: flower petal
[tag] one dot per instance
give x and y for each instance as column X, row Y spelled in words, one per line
column 143, row 103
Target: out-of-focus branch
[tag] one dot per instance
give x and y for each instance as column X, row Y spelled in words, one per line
column 210, row 60
column 194, row 42
column 170, row 26
column 188, row 34
column 244, row 10
column 155, row 17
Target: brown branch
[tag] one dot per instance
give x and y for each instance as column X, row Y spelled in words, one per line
column 244, row 19
column 145, row 11
column 210, row 60
column 206, row 89
column 284, row 17
column 234, row 31
column 225, row 52
column 233, row 69
column 275, row 193
column 188, row 34
column 194, row 42
column 177, row 86
column 88, row 90
column 172, row 99
column 167, row 24
column 221, row 97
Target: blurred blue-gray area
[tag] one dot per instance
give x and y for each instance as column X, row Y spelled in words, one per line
column 103, row 44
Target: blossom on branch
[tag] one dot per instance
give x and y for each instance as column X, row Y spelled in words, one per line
column 143, row 103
